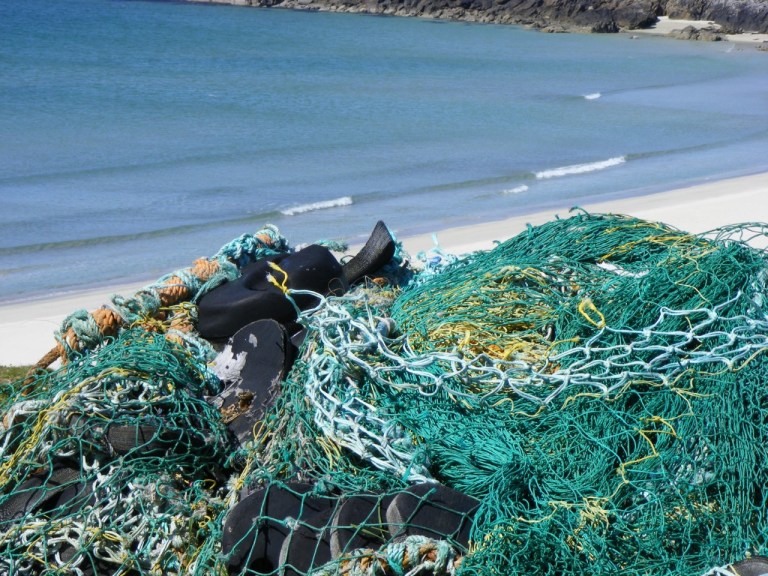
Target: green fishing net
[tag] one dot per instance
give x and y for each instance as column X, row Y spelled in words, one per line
column 596, row 383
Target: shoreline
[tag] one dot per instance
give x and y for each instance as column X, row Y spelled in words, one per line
column 702, row 30
column 697, row 209
column 667, row 27
column 27, row 327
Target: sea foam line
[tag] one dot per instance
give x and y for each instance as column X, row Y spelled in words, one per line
column 516, row 190
column 335, row 203
column 580, row 168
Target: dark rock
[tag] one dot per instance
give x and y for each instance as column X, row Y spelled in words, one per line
column 635, row 15
column 687, row 33
column 552, row 15
column 732, row 15
column 684, row 9
column 693, row 33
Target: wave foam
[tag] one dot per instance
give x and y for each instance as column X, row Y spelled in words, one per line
column 335, row 203
column 580, row 168
column 593, row 96
column 516, row 190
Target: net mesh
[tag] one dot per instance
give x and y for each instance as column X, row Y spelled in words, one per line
column 595, row 384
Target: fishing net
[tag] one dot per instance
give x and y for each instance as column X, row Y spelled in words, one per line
column 589, row 397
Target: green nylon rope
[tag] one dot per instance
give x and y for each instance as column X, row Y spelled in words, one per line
column 596, row 382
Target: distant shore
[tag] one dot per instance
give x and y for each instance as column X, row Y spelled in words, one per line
column 701, row 30
column 27, row 328
column 547, row 16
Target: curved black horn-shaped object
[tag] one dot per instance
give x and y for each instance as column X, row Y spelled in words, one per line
column 378, row 250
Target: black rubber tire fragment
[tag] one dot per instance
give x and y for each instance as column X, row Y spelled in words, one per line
column 44, row 492
column 255, row 529
column 754, row 566
column 360, row 522
column 142, row 436
column 308, row 546
column 267, row 354
column 432, row 510
column 378, row 251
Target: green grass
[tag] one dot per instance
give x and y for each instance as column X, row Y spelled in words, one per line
column 10, row 374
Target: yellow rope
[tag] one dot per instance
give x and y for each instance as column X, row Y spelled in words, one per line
column 587, row 304
column 282, row 286
column 38, row 429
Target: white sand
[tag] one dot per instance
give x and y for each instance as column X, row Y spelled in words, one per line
column 27, row 329
column 695, row 209
column 666, row 25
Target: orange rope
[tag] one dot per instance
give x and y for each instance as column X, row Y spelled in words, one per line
column 173, row 291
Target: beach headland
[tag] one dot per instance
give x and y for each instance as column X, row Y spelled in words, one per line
column 743, row 21
column 27, row 328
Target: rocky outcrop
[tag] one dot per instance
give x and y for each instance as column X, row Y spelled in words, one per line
column 549, row 15
column 693, row 33
column 554, row 15
column 732, row 15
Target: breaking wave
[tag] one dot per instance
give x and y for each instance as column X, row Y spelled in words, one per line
column 593, row 96
column 580, row 168
column 516, row 189
column 335, row 203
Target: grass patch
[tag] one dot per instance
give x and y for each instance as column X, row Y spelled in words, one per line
column 9, row 374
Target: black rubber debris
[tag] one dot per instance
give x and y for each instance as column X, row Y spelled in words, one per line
column 378, row 251
column 256, row 528
column 754, row 566
column 432, row 510
column 259, row 292
column 251, row 366
column 55, row 493
column 143, row 437
column 360, row 523
column 307, row 546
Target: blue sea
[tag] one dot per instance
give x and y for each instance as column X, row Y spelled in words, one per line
column 138, row 136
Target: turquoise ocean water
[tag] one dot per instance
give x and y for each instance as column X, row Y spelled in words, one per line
column 138, row 136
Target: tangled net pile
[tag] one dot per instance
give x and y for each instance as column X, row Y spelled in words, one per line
column 596, row 382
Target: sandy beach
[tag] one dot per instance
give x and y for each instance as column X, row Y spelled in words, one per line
column 27, row 329
column 666, row 26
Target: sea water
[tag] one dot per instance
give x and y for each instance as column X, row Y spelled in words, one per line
column 137, row 136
